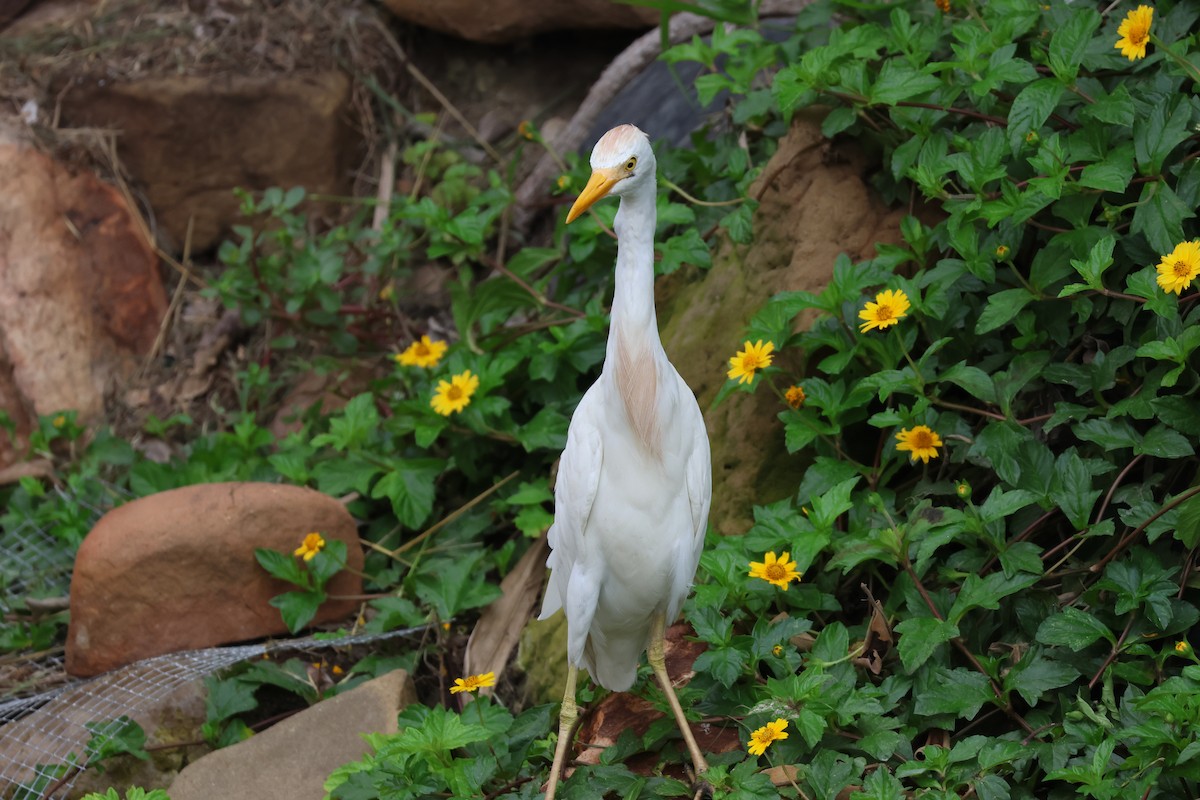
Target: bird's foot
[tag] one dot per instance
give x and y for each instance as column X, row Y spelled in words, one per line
column 701, row 789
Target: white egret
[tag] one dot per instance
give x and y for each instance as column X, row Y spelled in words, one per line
column 635, row 480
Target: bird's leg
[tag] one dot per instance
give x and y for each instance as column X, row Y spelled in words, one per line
column 566, row 726
column 655, row 654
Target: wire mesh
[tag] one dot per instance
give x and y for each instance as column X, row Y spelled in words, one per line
column 43, row 738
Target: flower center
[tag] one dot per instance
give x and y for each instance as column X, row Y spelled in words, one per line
column 1182, row 268
column 922, row 440
column 884, row 312
column 454, row 393
column 1138, row 36
column 776, row 572
column 751, row 362
column 422, row 350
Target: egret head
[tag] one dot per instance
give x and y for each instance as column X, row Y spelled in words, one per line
column 621, row 162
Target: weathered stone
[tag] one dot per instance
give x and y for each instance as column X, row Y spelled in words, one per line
column 176, row 571
column 292, row 759
column 54, row 731
column 816, row 206
column 80, row 292
column 189, row 141
column 509, row 20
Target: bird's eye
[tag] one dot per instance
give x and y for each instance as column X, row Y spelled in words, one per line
column 630, row 164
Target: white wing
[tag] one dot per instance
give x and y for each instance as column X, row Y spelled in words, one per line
column 698, row 481
column 574, row 493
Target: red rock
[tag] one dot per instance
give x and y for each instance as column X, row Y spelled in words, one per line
column 509, row 20
column 190, row 140
column 176, row 571
column 81, row 297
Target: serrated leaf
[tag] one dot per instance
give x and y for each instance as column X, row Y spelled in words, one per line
column 987, row 592
column 1070, row 42
column 919, row 637
column 1001, row 308
column 1073, row 629
column 953, row 691
column 1031, row 108
column 1072, row 489
column 898, row 81
column 1034, row 675
column 1164, row 442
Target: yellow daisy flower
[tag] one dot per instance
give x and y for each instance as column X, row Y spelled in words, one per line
column 762, row 738
column 60, row 421
column 313, row 543
column 779, row 572
column 1135, row 33
column 473, row 683
column 921, row 441
column 795, row 396
column 888, row 309
column 422, row 353
column 750, row 359
column 1177, row 270
column 454, row 395
column 1182, row 647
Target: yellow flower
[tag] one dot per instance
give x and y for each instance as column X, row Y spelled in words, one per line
column 337, row 670
column 762, row 738
column 943, row 5
column 777, row 650
column 454, row 395
column 526, row 130
column 313, row 543
column 778, row 572
column 921, row 441
column 888, row 309
column 751, row 359
column 1177, row 270
column 1135, row 33
column 564, row 182
column 60, row 421
column 1002, row 251
column 795, row 396
column 472, row 683
column 422, row 353
column 963, row 490
column 1182, row 647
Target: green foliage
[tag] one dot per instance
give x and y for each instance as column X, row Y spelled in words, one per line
column 133, row 793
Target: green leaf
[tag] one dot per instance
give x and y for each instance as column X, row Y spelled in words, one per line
column 1072, row 489
column 1099, row 259
column 986, row 592
column 920, row 637
column 1001, row 504
column 115, row 737
column 1164, row 442
column 1113, row 174
column 880, row 785
column 1001, row 308
column 339, row 476
column 898, row 81
column 1157, row 133
column 1187, row 522
column 1070, row 42
column 956, row 691
column 1030, row 109
column 1159, row 216
column 975, row 381
column 228, row 697
column 283, row 566
column 298, row 608
column 409, row 485
column 1034, row 675
column 1111, row 434
column 453, row 585
column 726, row 664
column 1072, row 629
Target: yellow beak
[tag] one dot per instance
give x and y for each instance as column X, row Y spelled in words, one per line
column 598, row 186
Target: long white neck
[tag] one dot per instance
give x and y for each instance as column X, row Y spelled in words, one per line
column 635, row 362
column 633, row 314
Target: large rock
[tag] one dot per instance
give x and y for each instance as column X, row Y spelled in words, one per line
column 292, row 759
column 509, row 20
column 189, row 141
column 81, row 297
column 816, row 206
column 176, row 571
